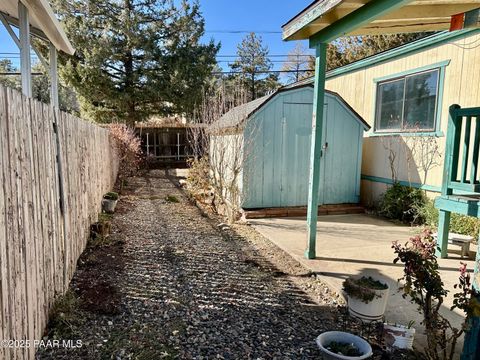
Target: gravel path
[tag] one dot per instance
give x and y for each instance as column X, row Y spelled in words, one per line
column 187, row 288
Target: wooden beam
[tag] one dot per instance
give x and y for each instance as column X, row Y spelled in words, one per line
column 5, row 23
column 356, row 19
column 25, row 60
column 54, row 98
column 33, row 30
column 316, row 149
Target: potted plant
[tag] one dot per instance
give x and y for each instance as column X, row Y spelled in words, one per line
column 109, row 202
column 342, row 345
column 399, row 336
column 366, row 297
column 423, row 285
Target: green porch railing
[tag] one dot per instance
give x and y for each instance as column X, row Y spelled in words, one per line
column 461, row 194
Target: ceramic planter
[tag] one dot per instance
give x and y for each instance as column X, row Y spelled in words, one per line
column 108, row 205
column 371, row 311
column 326, row 338
column 398, row 336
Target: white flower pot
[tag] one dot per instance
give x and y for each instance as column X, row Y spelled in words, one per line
column 108, row 205
column 371, row 311
column 323, row 340
column 398, row 336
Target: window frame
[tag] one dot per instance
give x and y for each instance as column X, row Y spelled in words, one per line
column 436, row 130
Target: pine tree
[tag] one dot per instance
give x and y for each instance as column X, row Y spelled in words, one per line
column 135, row 58
column 6, row 66
column 346, row 50
column 298, row 64
column 253, row 63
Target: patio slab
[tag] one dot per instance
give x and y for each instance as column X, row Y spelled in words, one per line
column 360, row 244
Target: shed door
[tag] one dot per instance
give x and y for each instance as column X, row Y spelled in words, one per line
column 296, row 135
column 340, row 156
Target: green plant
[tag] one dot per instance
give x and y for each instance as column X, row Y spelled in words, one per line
column 425, row 288
column 111, row 196
column 65, row 316
column 461, row 224
column 341, row 348
column 363, row 288
column 401, row 202
column 100, row 231
column 172, row 199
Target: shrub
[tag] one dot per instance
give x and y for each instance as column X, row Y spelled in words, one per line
column 65, row 317
column 401, row 203
column 128, row 149
column 423, row 285
column 460, row 224
column 198, row 179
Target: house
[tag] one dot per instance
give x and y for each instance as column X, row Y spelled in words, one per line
column 404, row 95
column 264, row 147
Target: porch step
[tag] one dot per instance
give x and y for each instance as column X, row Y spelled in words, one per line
column 298, row 211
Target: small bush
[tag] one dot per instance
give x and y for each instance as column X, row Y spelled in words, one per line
column 402, row 203
column 65, row 316
column 460, row 224
column 128, row 149
column 198, row 179
column 172, row 199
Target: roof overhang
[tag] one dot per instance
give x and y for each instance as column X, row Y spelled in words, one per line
column 43, row 21
column 398, row 17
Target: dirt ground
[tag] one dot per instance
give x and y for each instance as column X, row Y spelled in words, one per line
column 173, row 282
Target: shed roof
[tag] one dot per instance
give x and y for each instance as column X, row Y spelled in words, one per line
column 42, row 19
column 237, row 116
column 404, row 16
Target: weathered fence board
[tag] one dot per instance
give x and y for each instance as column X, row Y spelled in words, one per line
column 39, row 241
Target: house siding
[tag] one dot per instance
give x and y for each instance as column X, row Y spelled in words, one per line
column 358, row 88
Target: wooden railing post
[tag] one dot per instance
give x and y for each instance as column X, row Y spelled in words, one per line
column 449, row 173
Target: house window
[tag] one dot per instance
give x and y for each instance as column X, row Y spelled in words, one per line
column 408, row 103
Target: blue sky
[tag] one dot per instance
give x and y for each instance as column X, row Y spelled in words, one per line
column 250, row 15
column 222, row 16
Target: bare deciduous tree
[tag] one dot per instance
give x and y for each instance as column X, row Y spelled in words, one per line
column 422, row 153
column 225, row 147
column 391, row 143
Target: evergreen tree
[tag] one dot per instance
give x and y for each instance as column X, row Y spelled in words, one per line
column 40, row 86
column 6, row 66
column 135, row 58
column 348, row 49
column 253, row 63
column 298, row 64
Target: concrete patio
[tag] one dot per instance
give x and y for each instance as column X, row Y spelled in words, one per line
column 361, row 244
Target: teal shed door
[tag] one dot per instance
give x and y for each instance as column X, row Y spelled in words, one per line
column 341, row 151
column 296, row 137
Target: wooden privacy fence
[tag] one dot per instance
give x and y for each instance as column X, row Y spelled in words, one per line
column 41, row 235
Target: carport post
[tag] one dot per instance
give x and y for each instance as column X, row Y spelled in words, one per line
column 25, row 61
column 316, row 148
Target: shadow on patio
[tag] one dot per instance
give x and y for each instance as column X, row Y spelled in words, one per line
column 360, row 244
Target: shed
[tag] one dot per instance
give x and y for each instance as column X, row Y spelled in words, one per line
column 275, row 133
